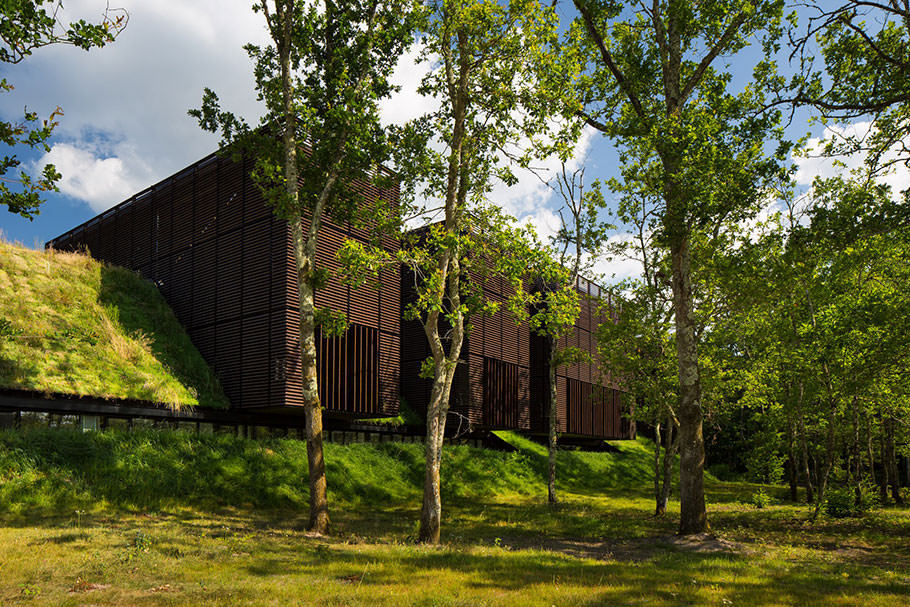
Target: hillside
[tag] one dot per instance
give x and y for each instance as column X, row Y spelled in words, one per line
column 46, row 471
column 175, row 518
column 72, row 325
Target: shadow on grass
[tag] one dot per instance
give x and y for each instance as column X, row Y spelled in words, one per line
column 673, row 576
column 583, row 553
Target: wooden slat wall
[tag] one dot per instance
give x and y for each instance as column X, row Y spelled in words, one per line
column 594, row 411
column 225, row 265
column 348, row 371
column 501, row 407
column 588, row 402
column 493, row 338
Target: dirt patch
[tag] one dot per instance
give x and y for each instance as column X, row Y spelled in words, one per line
column 705, row 543
column 82, row 585
column 629, row 550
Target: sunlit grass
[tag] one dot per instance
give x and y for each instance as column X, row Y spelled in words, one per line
column 69, row 324
column 217, row 520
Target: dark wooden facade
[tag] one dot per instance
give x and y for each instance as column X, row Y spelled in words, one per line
column 492, row 383
column 589, row 401
column 225, row 264
column 502, row 380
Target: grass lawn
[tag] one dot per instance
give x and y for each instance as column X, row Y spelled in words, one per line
column 502, row 544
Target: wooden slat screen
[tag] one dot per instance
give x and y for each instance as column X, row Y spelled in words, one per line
column 500, row 394
column 348, row 370
column 225, row 264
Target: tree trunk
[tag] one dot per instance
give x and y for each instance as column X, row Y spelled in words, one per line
column 659, row 508
column 693, row 514
column 816, row 473
column 448, row 291
column 552, row 425
column 886, row 471
column 792, row 473
column 672, row 442
column 829, row 463
column 804, row 445
column 891, row 460
column 304, row 253
column 856, row 467
column 870, row 452
column 319, row 505
column 431, row 512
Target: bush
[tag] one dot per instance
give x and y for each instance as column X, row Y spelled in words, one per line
column 760, row 499
column 841, row 502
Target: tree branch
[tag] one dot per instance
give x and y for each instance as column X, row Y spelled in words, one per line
column 607, row 58
column 706, row 61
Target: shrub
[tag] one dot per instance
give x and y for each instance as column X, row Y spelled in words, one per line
column 842, row 502
column 760, row 499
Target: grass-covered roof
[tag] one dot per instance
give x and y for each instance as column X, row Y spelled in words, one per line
column 72, row 325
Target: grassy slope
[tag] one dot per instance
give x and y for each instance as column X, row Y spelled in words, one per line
column 69, row 534
column 47, row 471
column 72, row 325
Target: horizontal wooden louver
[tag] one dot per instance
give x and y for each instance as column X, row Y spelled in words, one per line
column 208, row 240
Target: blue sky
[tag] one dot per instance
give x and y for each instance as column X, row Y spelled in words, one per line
column 125, row 125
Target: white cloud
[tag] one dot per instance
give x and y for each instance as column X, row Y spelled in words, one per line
column 531, row 200
column 815, row 165
column 613, row 270
column 138, row 89
column 102, row 182
column 407, row 104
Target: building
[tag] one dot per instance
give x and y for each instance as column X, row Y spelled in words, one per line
column 589, row 403
column 491, row 389
column 502, row 382
column 226, row 266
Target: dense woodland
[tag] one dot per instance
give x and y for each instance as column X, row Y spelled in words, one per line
column 768, row 332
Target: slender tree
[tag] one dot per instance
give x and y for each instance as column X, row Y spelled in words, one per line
column 648, row 77
column 484, row 56
column 575, row 248
column 638, row 346
column 321, row 79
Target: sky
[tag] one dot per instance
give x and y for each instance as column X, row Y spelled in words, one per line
column 125, row 124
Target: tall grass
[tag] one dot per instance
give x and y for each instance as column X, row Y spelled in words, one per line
column 72, row 325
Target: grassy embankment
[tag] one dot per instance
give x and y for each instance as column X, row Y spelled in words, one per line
column 72, row 325
column 174, row 519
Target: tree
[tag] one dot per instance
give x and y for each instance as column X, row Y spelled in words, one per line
column 813, row 326
column 648, row 79
column 866, row 76
column 25, row 26
column 321, row 80
column 483, row 53
column 638, row 345
column 574, row 248
column 638, row 348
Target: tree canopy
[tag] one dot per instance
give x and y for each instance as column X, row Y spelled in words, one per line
column 25, row 26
